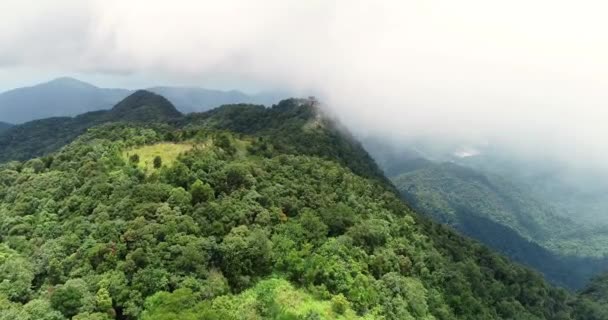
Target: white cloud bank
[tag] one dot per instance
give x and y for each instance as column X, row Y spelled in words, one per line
column 530, row 73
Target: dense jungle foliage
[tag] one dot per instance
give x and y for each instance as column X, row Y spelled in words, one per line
column 257, row 214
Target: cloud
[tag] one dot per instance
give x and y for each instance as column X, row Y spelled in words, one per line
column 531, row 74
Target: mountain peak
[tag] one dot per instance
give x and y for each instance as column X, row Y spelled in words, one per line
column 69, row 82
column 143, row 105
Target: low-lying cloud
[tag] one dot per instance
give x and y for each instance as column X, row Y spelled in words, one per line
column 531, row 74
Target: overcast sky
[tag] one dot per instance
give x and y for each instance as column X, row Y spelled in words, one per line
column 529, row 73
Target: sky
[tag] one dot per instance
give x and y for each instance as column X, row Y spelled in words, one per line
column 531, row 74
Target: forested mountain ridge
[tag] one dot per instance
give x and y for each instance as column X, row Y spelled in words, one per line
column 193, row 99
column 39, row 137
column 262, row 221
column 295, row 126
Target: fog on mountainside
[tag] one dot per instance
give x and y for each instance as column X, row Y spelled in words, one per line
column 539, row 212
column 194, row 99
column 478, row 189
column 512, row 74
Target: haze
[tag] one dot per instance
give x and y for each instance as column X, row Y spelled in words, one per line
column 531, row 75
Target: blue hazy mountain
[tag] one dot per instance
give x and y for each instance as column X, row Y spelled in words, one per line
column 66, row 97
column 56, row 98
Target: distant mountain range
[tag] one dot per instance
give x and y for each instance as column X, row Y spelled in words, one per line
column 69, row 97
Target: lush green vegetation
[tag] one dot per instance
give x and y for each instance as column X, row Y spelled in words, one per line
column 294, row 126
column 500, row 214
column 39, row 137
column 597, row 289
column 152, row 157
column 594, row 298
column 272, row 298
column 259, row 224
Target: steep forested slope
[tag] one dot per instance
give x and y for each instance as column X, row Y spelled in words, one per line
column 269, row 220
column 448, row 190
column 293, row 126
column 593, row 299
column 576, row 190
column 597, row 289
column 500, row 214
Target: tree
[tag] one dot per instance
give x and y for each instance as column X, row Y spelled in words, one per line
column 103, row 299
column 16, row 275
column 36, row 165
column 315, row 230
column 223, row 141
column 180, row 198
column 201, row 192
column 339, row 304
column 237, row 176
column 40, row 309
column 245, row 252
column 178, row 174
column 67, row 300
column 134, row 158
column 338, row 218
column 158, row 162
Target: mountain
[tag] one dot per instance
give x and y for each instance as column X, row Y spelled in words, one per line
column 59, row 97
column 575, row 192
column 39, row 137
column 143, row 106
column 508, row 218
column 453, row 189
column 193, row 99
column 240, row 212
column 68, row 97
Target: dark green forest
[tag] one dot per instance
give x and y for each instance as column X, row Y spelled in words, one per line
column 249, row 213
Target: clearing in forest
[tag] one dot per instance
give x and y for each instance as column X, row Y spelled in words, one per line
column 167, row 151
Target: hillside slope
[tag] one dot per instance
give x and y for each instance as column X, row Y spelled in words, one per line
column 266, row 221
column 503, row 216
column 576, row 192
column 38, row 137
